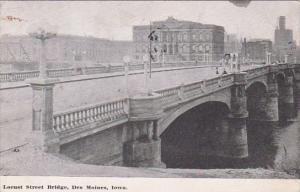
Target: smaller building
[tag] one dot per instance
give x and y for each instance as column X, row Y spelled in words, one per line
column 256, row 49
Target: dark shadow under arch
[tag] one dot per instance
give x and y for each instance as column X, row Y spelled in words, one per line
column 193, row 136
column 256, row 100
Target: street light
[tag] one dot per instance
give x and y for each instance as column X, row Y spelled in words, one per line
column 42, row 35
column 268, row 58
column 286, row 58
column 126, row 60
column 145, row 61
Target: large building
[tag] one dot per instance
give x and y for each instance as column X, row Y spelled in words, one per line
column 256, row 50
column 177, row 40
column 283, row 40
column 64, row 50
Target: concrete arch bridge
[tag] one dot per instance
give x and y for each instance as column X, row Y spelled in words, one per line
column 140, row 131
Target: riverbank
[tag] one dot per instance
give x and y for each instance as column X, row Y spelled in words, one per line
column 30, row 161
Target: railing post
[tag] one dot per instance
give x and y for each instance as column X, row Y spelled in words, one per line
column 43, row 135
column 181, row 91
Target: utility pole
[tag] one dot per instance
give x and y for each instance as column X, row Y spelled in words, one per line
column 150, row 50
column 152, row 37
column 42, row 35
column 0, row 17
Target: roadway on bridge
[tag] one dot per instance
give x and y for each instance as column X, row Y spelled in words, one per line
column 16, row 104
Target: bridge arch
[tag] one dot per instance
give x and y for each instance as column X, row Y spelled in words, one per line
column 258, row 81
column 223, row 96
column 193, row 135
column 280, row 76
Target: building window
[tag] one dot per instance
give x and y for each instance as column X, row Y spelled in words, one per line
column 174, row 36
column 200, row 37
column 179, row 37
column 194, row 37
column 170, row 49
column 207, row 37
column 176, row 48
column 200, row 48
column 207, row 48
column 185, row 37
column 194, row 48
column 165, row 49
column 185, row 48
column 164, row 36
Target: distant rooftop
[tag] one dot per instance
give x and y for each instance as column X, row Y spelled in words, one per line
column 257, row 40
column 65, row 36
column 172, row 23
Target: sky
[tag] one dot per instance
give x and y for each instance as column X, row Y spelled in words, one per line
column 114, row 19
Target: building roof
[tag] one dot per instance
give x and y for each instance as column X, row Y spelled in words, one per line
column 17, row 38
column 172, row 23
column 258, row 40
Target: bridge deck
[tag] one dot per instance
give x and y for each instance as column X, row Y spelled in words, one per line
column 16, row 103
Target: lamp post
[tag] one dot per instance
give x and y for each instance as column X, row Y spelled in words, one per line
column 268, row 58
column 126, row 60
column 286, row 58
column 146, row 83
column 42, row 35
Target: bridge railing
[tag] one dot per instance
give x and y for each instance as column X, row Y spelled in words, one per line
column 64, row 72
column 18, row 76
column 52, row 73
column 258, row 71
column 102, row 113
column 171, row 96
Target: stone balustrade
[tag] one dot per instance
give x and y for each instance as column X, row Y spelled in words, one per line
column 105, row 112
column 170, row 96
column 255, row 72
column 18, row 76
column 176, row 94
column 65, row 72
column 111, row 111
column 53, row 73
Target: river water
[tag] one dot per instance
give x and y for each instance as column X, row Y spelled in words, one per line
column 274, row 146
column 270, row 146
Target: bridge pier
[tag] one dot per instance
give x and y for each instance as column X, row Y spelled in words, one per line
column 297, row 87
column 286, row 102
column 234, row 135
column 43, row 135
column 144, row 147
column 271, row 110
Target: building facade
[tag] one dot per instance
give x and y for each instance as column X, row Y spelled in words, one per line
column 176, row 40
column 283, row 40
column 257, row 49
column 64, row 50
